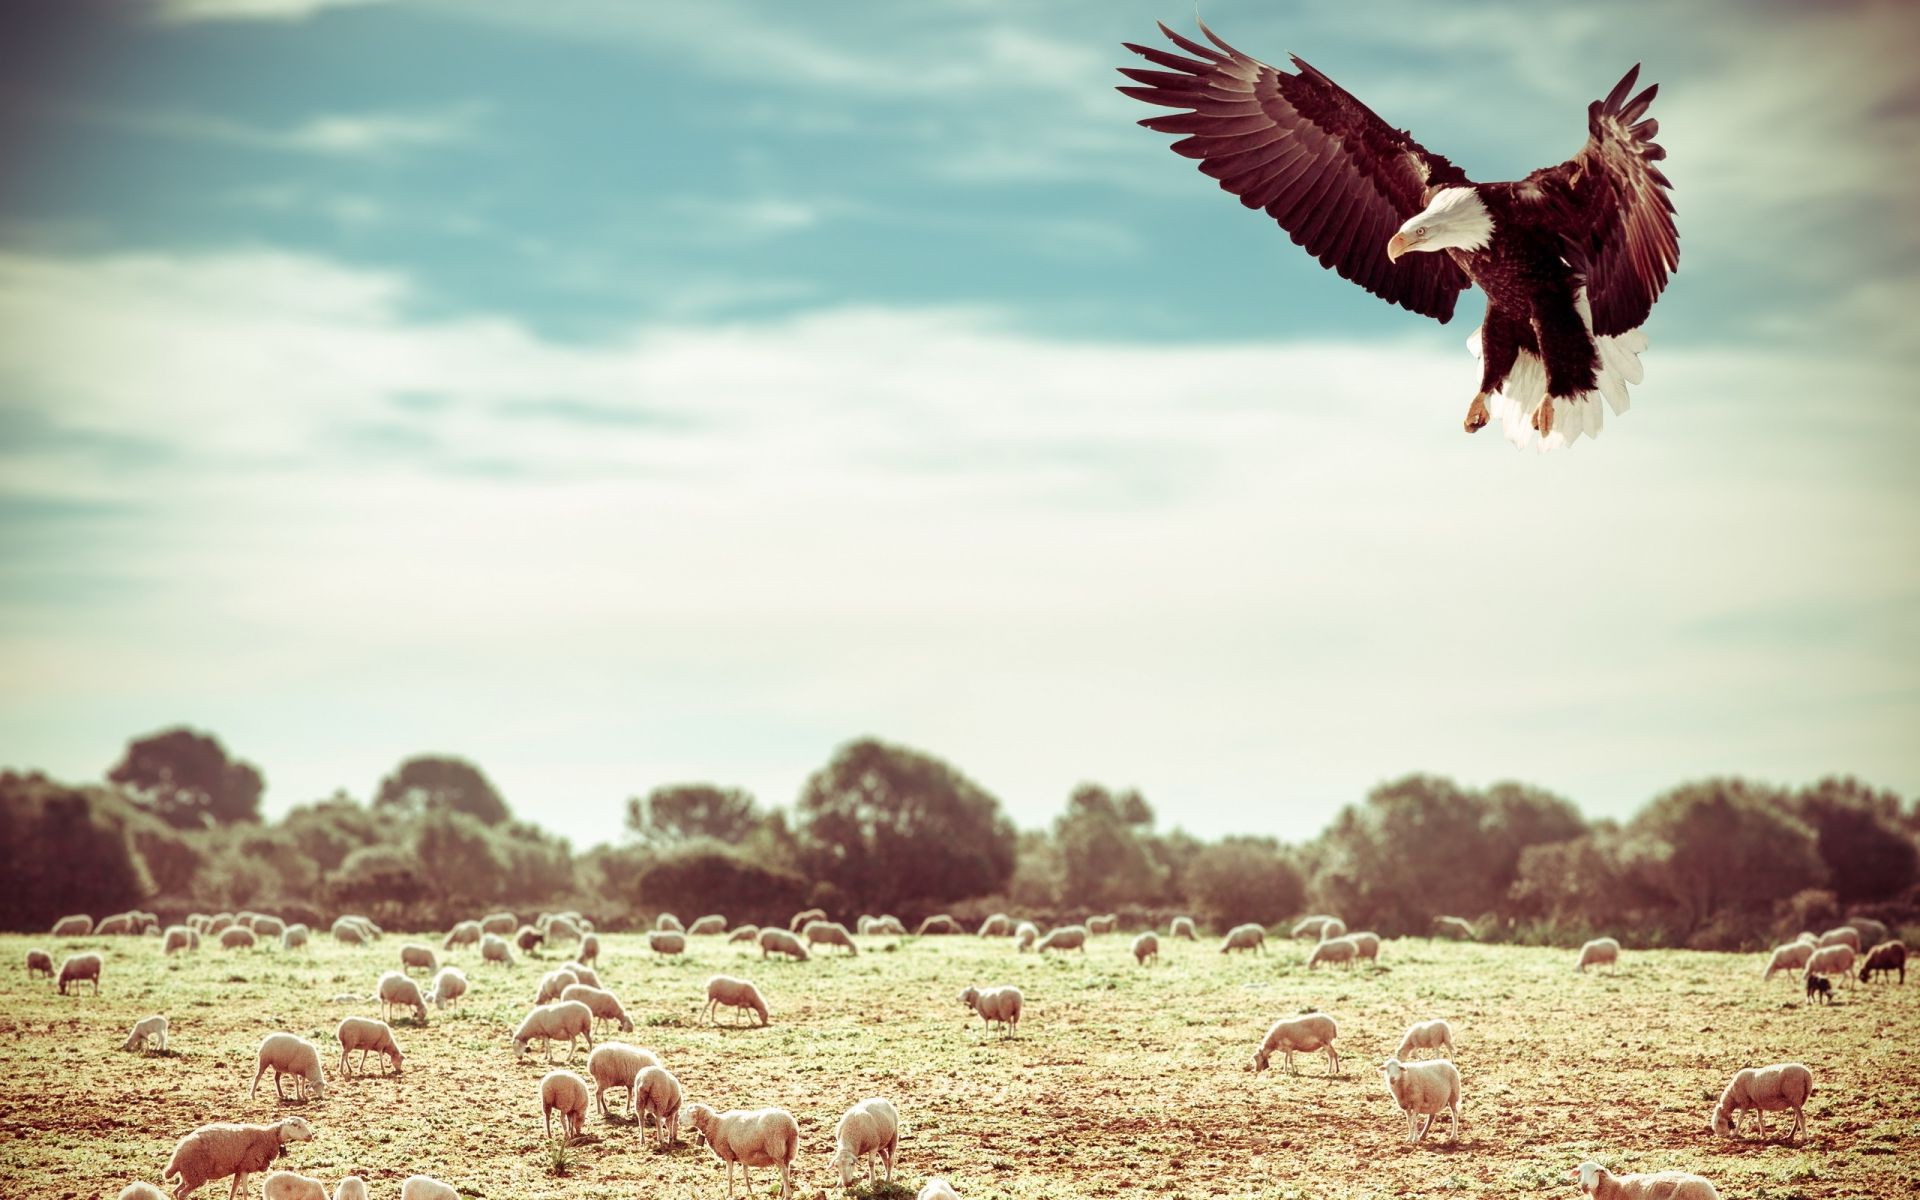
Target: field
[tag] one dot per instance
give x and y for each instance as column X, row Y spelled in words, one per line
column 1122, row 1081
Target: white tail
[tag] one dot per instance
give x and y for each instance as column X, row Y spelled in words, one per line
column 1513, row 405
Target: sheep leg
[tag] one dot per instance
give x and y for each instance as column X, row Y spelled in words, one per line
column 1426, row 1123
column 239, row 1184
column 1760, row 1118
column 786, row 1179
column 276, row 1084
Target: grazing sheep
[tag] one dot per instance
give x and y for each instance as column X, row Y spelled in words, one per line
column 78, row 967
column 553, row 983
column 398, row 991
column 890, row 924
column 1245, row 937
column 1106, row 923
column 1302, row 1034
column 237, row 937
column 668, row 923
column 589, row 948
column 348, row 934
column 268, row 927
column 779, row 941
column 221, row 1149
column 734, row 993
column 868, row 1130
column 617, row 1065
column 1887, row 957
column 1457, row 928
column 937, row 1189
column 1182, row 927
column 463, row 933
column 565, row 1093
column 997, row 925
column 830, row 933
column 295, row 935
column 1426, row 1035
column 1146, row 946
column 1602, row 1184
column 177, row 937
column 761, row 1137
column 285, row 1185
column 1025, row 935
column 604, row 1005
column 351, row 1187
column 938, row 923
column 1809, row 937
column 1366, row 945
column 1872, row 932
column 289, row 1054
column 1819, row 989
column 1066, row 937
column 1342, row 950
column 527, row 939
column 1832, row 960
column 449, row 985
column 77, row 925
column 561, row 928
column 1309, row 927
column 746, row 933
column 1598, row 952
column 500, row 923
column 144, row 1031
column 364, row 1034
column 567, row 1019
column 1424, row 1089
column 1791, row 957
column 667, row 943
column 426, row 1187
column 218, row 921
column 413, row 954
column 141, row 1191
column 799, row 920
column 493, row 948
column 1844, row 935
column 585, row 974
column 656, row 1094
column 39, row 963
column 708, row 925
column 999, row 1005
column 1764, row 1090
column 122, row 923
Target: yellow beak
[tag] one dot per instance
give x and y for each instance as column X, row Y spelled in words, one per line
column 1399, row 244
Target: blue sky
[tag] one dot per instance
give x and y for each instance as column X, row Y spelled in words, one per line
column 620, row 393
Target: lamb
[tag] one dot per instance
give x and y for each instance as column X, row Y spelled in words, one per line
column 1066, row 937
column 1832, row 960
column 761, row 1137
column 1366, row 945
column 221, row 1149
column 1309, row 927
column 1304, row 1033
column 1426, row 1035
column 78, row 967
column 1182, row 927
column 493, row 948
column 830, row 933
column 1844, row 935
column 567, row 1019
column 565, row 1093
column 667, row 943
column 710, row 924
column 413, row 954
column 1602, row 1184
column 499, row 923
column 1598, row 952
column 1459, row 929
column 938, row 923
column 237, row 937
column 746, row 933
column 1025, row 936
column 656, row 1094
column 1887, row 957
column 449, row 985
column 734, row 993
column 351, row 1187
column 144, row 1031
column 937, row 1189
column 553, row 983
column 1763, row 1089
column 617, row 1065
column 1872, row 932
column 1791, row 957
column 364, row 1034
column 426, row 1187
column 1106, row 923
column 604, row 1005
column 1424, row 1089
column 779, row 941
column 799, row 920
column 296, row 935
column 527, row 938
column 398, row 991
column 289, row 1054
column 1342, row 950
column 666, row 922
column 177, row 937
column 77, row 925
column 1245, row 937
column 999, row 1005
column 285, row 1185
column 39, row 963
column 1146, row 946
column 1819, row 989
column 590, row 948
column 997, row 925
column 868, row 1130
column 463, row 933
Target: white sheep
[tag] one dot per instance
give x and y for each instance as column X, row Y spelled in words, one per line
column 426, row 1187
column 463, row 933
column 493, row 948
column 1459, row 929
column 177, row 937
column 830, row 933
column 936, row 924
column 667, row 943
column 1602, row 951
column 77, row 925
column 221, row 1149
column 1146, row 946
column 1764, row 1090
column 237, row 937
column 1831, row 960
column 39, row 963
column 1366, row 945
column 937, row 1189
column 761, row 1137
column 656, row 1095
column 1424, row 1089
column 1000, row 1005
column 1025, row 935
column 799, row 920
column 141, row 1191
column 122, row 923
column 296, row 935
column 1872, row 932
column 1245, row 937
column 286, row 1185
column 888, row 923
column 617, row 1065
column 1602, row 1184
column 1182, row 927
column 560, row 928
column 527, row 939
column 1105, row 923
column 268, row 927
column 144, row 1031
column 567, row 1019
column 80, row 967
column 1302, row 1034
column 565, row 1093
column 746, row 933
column 553, row 983
column 448, row 986
column 868, row 1130
column 589, row 948
column 289, row 1054
column 1310, row 927
column 413, row 954
column 710, row 924
column 1844, row 935
column 348, row 931
column 1426, row 1035
column 604, row 1005
column 997, row 925
column 499, row 922
column 351, row 1187
column 1341, row 950
column 666, row 922
column 734, row 993
column 364, row 1034
column 396, row 990
column 1066, row 937
column 779, row 941
column 1791, row 956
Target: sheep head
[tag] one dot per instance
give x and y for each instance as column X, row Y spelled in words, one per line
column 848, row 1164
column 1590, row 1176
column 702, row 1118
column 1260, row 1059
column 294, row 1129
column 1722, row 1121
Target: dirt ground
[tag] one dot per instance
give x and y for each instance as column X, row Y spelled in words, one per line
column 1122, row 1080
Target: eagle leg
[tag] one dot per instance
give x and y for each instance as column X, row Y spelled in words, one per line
column 1477, row 413
column 1543, row 416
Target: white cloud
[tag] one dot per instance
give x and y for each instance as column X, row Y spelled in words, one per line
column 182, row 12
column 339, row 135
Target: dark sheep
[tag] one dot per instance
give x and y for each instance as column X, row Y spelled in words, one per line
column 1819, row 988
column 1887, row 956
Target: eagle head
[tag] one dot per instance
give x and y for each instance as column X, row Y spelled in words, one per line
column 1455, row 219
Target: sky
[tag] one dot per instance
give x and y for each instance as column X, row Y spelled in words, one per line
column 617, row 394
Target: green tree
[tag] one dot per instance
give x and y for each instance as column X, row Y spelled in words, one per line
column 1735, row 846
column 427, row 782
column 680, row 812
column 468, row 867
column 1103, row 858
column 1241, row 879
column 704, row 876
column 187, row 780
column 1857, row 833
column 64, row 850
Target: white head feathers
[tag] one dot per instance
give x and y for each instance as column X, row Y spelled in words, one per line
column 1454, row 220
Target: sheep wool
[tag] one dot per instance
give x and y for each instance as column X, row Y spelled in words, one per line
column 1598, row 952
column 364, row 1034
column 1182, row 927
column 799, row 920
column 221, row 1149
column 708, row 925
column 617, row 1066
column 289, row 1054
column 997, row 925
column 937, row 1189
column 499, row 923
column 1843, row 935
column 567, row 1019
column 1341, row 950
column 1366, row 945
column 565, row 1093
column 761, row 1137
column 868, row 1130
column 177, row 937
column 938, row 923
column 1304, row 1033
column 656, row 1097
column 426, row 1187
column 1105, row 923
column 1885, row 958
column 668, row 943
column 463, row 933
column 1025, row 935
column 80, row 968
column 285, row 1185
column 553, row 983
column 414, row 956
column 1309, row 927
column 448, row 986
column 1456, row 928
column 1245, row 937
column 604, row 1005
column 1763, row 1090
column 77, row 925
column 746, row 933
column 733, row 993
column 1426, row 1035
column 996, row 1006
column 1424, row 1089
column 296, row 935
column 1602, row 1184
column 141, row 1191
column 351, row 1187
column 396, row 990
column 1146, row 946
column 493, row 948
column 1066, row 937
column 1791, row 957
column 779, row 941
column 1832, row 960
column 144, row 1031
column 39, row 964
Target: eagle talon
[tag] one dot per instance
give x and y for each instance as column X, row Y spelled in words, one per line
column 1477, row 413
column 1543, row 416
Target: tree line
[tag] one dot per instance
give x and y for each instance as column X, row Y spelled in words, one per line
column 1718, row 863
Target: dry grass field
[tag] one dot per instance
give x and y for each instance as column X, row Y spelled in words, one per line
column 1122, row 1081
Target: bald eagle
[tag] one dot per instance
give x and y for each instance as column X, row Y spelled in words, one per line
column 1571, row 257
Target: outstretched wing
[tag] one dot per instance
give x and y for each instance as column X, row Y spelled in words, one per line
column 1337, row 178
column 1618, row 217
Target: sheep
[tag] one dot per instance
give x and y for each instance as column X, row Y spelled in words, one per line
column 218, row 921
column 1025, row 936
column 997, row 925
column 1245, row 937
column 77, row 967
column 889, row 924
column 1602, row 1184
column 657, row 1094
column 368, row 929
column 449, row 985
column 1342, row 950
column 733, row 993
column 708, row 925
column 1871, row 932
column 237, row 937
column 141, row 1191
column 868, row 1130
column 1844, row 935
column 1790, row 957
column 1309, row 927
column 527, row 938
column 779, row 941
column 569, row 1019
column 565, row 1093
column 144, row 1031
column 289, row 1054
column 1425, row 1035
column 583, row 972
column 1182, row 927
column 1832, row 960
column 799, row 920
column 177, row 937
column 746, row 933
column 553, row 983
column 396, row 990
column 1146, row 946
column 1366, row 945
column 221, row 1149
column 1886, row 957
column 39, row 963
column 938, row 923
column 493, row 948
column 561, row 929
column 1457, row 928
column 1304, row 1033
column 761, row 1137
column 426, row 1187
column 1333, row 928
column 285, row 1185
column 77, row 925
column 1819, row 989
column 1809, row 938
column 1066, row 937
column 937, row 1189
column 122, row 923
column 413, row 954
column 268, row 927
column 348, row 934
column 463, row 933
column 1106, row 923
column 667, row 943
column 1764, row 1090
column 499, row 923
column 604, row 1005
column 1424, row 1089
column 589, row 948
column 1598, row 952
column 830, row 933
column 351, row 1187
column 618, row 1065
column 364, row 1034
column 666, row 922
column 999, row 1005
column 296, row 935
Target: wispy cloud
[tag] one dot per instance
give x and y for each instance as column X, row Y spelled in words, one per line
column 184, row 12
column 337, row 135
